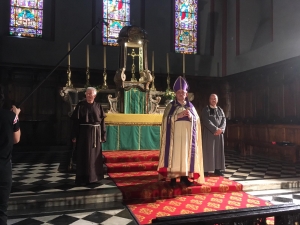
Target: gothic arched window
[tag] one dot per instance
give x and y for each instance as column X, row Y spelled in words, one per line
column 117, row 14
column 26, row 18
column 186, row 26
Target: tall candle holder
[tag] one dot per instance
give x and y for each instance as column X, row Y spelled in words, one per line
column 87, row 73
column 153, row 76
column 153, row 86
column 168, row 83
column 69, row 83
column 104, row 86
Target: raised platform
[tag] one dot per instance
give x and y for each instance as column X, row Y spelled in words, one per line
column 132, row 132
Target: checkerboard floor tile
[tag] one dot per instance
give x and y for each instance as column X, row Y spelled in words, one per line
column 47, row 172
column 103, row 217
column 241, row 168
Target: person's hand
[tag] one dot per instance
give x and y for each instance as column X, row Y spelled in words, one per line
column 218, row 132
column 188, row 113
column 185, row 113
column 74, row 140
column 15, row 110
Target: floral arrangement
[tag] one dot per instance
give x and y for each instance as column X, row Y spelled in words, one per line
column 169, row 95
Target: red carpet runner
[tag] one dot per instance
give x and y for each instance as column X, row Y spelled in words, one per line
column 134, row 172
column 144, row 213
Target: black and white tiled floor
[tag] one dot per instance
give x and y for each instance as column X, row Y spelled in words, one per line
column 104, row 217
column 240, row 168
column 46, row 172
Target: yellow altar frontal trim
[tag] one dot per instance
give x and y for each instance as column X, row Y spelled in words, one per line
column 134, row 119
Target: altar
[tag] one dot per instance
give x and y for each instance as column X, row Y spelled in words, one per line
column 134, row 116
column 132, row 132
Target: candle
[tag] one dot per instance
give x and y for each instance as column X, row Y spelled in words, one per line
column 152, row 60
column 69, row 57
column 183, row 63
column 87, row 56
column 168, row 63
column 104, row 57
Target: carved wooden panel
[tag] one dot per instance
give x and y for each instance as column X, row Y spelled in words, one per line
column 248, row 104
column 263, row 133
column 232, row 135
column 245, row 132
column 289, row 99
column 233, row 103
column 259, row 133
column 260, row 102
column 240, row 105
column 276, row 101
column 292, row 134
column 275, row 133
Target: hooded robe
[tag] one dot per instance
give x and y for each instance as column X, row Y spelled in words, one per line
column 89, row 130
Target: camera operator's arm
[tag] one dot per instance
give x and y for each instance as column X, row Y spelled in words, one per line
column 17, row 131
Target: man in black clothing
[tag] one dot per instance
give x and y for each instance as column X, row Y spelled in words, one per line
column 9, row 135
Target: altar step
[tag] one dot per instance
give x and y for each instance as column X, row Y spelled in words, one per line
column 277, row 191
column 68, row 198
column 131, row 161
column 131, row 167
column 270, row 184
column 278, row 196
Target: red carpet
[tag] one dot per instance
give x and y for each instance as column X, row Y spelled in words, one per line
column 144, row 213
column 145, row 186
column 130, row 156
column 134, row 173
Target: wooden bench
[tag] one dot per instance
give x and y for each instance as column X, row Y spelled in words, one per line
column 276, row 150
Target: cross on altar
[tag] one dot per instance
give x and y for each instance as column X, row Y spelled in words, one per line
column 133, row 54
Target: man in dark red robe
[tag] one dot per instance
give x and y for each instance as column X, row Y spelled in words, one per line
column 89, row 132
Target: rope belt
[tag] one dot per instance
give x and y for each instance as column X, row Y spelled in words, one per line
column 95, row 133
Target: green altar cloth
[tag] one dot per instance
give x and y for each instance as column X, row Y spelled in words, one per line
column 132, row 132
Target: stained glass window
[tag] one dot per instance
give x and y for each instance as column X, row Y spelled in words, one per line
column 117, row 14
column 186, row 27
column 26, row 18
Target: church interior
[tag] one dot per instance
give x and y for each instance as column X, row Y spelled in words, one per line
column 132, row 51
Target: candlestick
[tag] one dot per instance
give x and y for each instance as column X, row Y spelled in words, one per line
column 104, row 57
column 69, row 57
column 152, row 61
column 87, row 56
column 183, row 63
column 168, row 63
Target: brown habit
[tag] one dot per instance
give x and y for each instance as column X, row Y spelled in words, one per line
column 88, row 129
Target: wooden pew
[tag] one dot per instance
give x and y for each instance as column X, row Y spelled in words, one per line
column 271, row 150
column 263, row 139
